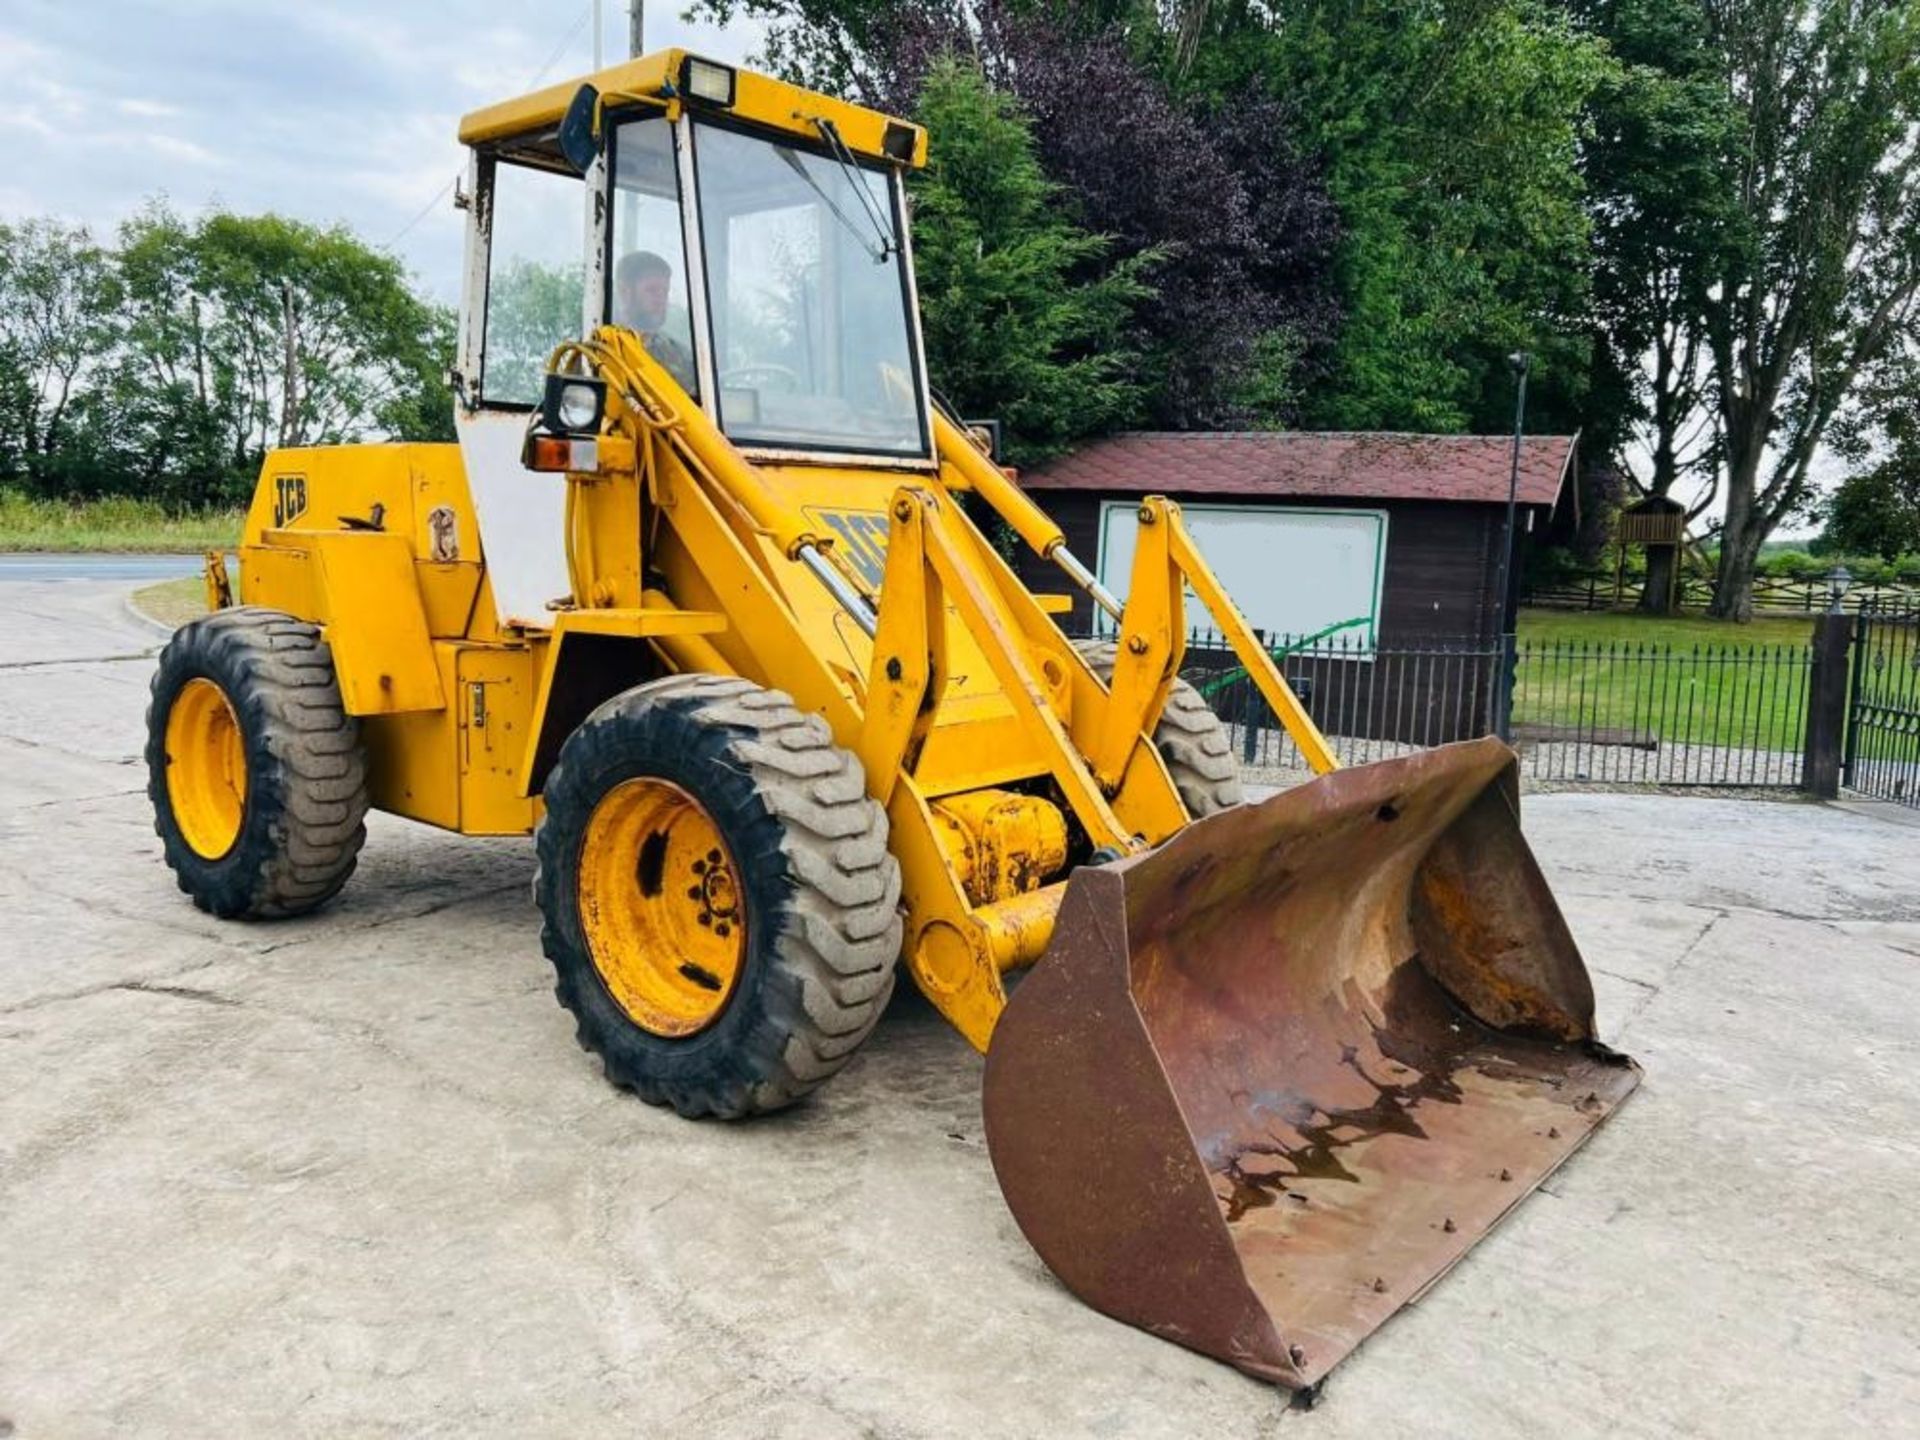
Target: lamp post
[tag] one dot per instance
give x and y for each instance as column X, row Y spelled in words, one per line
column 1839, row 581
column 1520, row 362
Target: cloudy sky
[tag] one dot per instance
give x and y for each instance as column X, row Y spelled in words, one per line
column 329, row 110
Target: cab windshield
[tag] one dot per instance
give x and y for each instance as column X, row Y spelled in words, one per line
column 812, row 338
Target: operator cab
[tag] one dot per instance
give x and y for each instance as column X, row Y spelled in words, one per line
column 751, row 233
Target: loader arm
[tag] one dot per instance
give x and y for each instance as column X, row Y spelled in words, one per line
column 940, row 580
column 736, row 531
column 1152, row 619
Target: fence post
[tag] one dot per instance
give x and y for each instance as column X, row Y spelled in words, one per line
column 1850, row 752
column 1251, row 705
column 1827, row 705
column 1503, row 683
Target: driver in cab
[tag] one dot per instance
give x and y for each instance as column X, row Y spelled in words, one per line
column 641, row 281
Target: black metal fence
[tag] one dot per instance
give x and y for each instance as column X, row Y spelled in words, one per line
column 1658, row 714
column 1371, row 701
column 1883, row 731
column 1636, row 714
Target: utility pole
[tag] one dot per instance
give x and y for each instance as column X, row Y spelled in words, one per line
column 628, row 219
column 1521, row 362
column 290, row 375
column 596, row 35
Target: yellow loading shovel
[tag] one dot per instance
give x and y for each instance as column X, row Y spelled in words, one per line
column 1272, row 1079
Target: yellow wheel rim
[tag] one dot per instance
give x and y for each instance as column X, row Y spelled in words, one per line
column 206, row 768
column 660, row 907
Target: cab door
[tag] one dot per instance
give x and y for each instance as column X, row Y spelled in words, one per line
column 530, row 251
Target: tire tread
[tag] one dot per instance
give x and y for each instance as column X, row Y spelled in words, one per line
column 1191, row 740
column 830, row 969
column 307, row 770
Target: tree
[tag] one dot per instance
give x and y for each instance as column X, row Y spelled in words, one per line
column 1234, row 215
column 1877, row 511
column 167, row 364
column 57, row 297
column 844, row 47
column 1821, row 279
column 1023, row 312
column 322, row 331
column 1663, row 206
column 1450, row 134
column 1446, row 133
column 420, row 406
column 247, row 332
column 1236, row 229
column 16, row 397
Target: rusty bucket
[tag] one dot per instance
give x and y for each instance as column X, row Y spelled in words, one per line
column 1272, row 1079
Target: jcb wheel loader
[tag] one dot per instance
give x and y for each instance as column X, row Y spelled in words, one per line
column 696, row 601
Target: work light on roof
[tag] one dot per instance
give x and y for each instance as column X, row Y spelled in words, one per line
column 707, row 82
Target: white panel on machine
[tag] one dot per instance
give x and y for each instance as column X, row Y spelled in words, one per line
column 1295, row 573
column 522, row 515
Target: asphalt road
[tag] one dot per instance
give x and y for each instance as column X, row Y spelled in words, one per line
column 349, row 1175
column 126, row 569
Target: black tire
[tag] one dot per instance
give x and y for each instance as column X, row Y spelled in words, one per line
column 303, row 818
column 1192, row 741
column 821, row 892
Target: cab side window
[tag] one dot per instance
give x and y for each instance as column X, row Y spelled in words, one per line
column 536, row 280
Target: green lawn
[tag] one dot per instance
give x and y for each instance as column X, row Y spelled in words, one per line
column 1682, row 679
column 1631, row 627
column 118, row 524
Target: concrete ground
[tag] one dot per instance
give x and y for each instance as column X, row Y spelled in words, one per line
column 350, row 1176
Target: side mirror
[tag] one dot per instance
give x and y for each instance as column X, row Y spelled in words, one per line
column 985, row 435
column 577, row 140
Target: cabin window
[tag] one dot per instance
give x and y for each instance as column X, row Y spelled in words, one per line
column 536, row 280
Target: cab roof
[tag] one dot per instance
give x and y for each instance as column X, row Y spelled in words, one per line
column 760, row 99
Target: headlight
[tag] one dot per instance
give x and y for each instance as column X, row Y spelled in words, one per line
column 579, row 407
column 573, row 404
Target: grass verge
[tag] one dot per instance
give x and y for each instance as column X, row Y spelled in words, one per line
column 173, row 602
column 117, row 524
